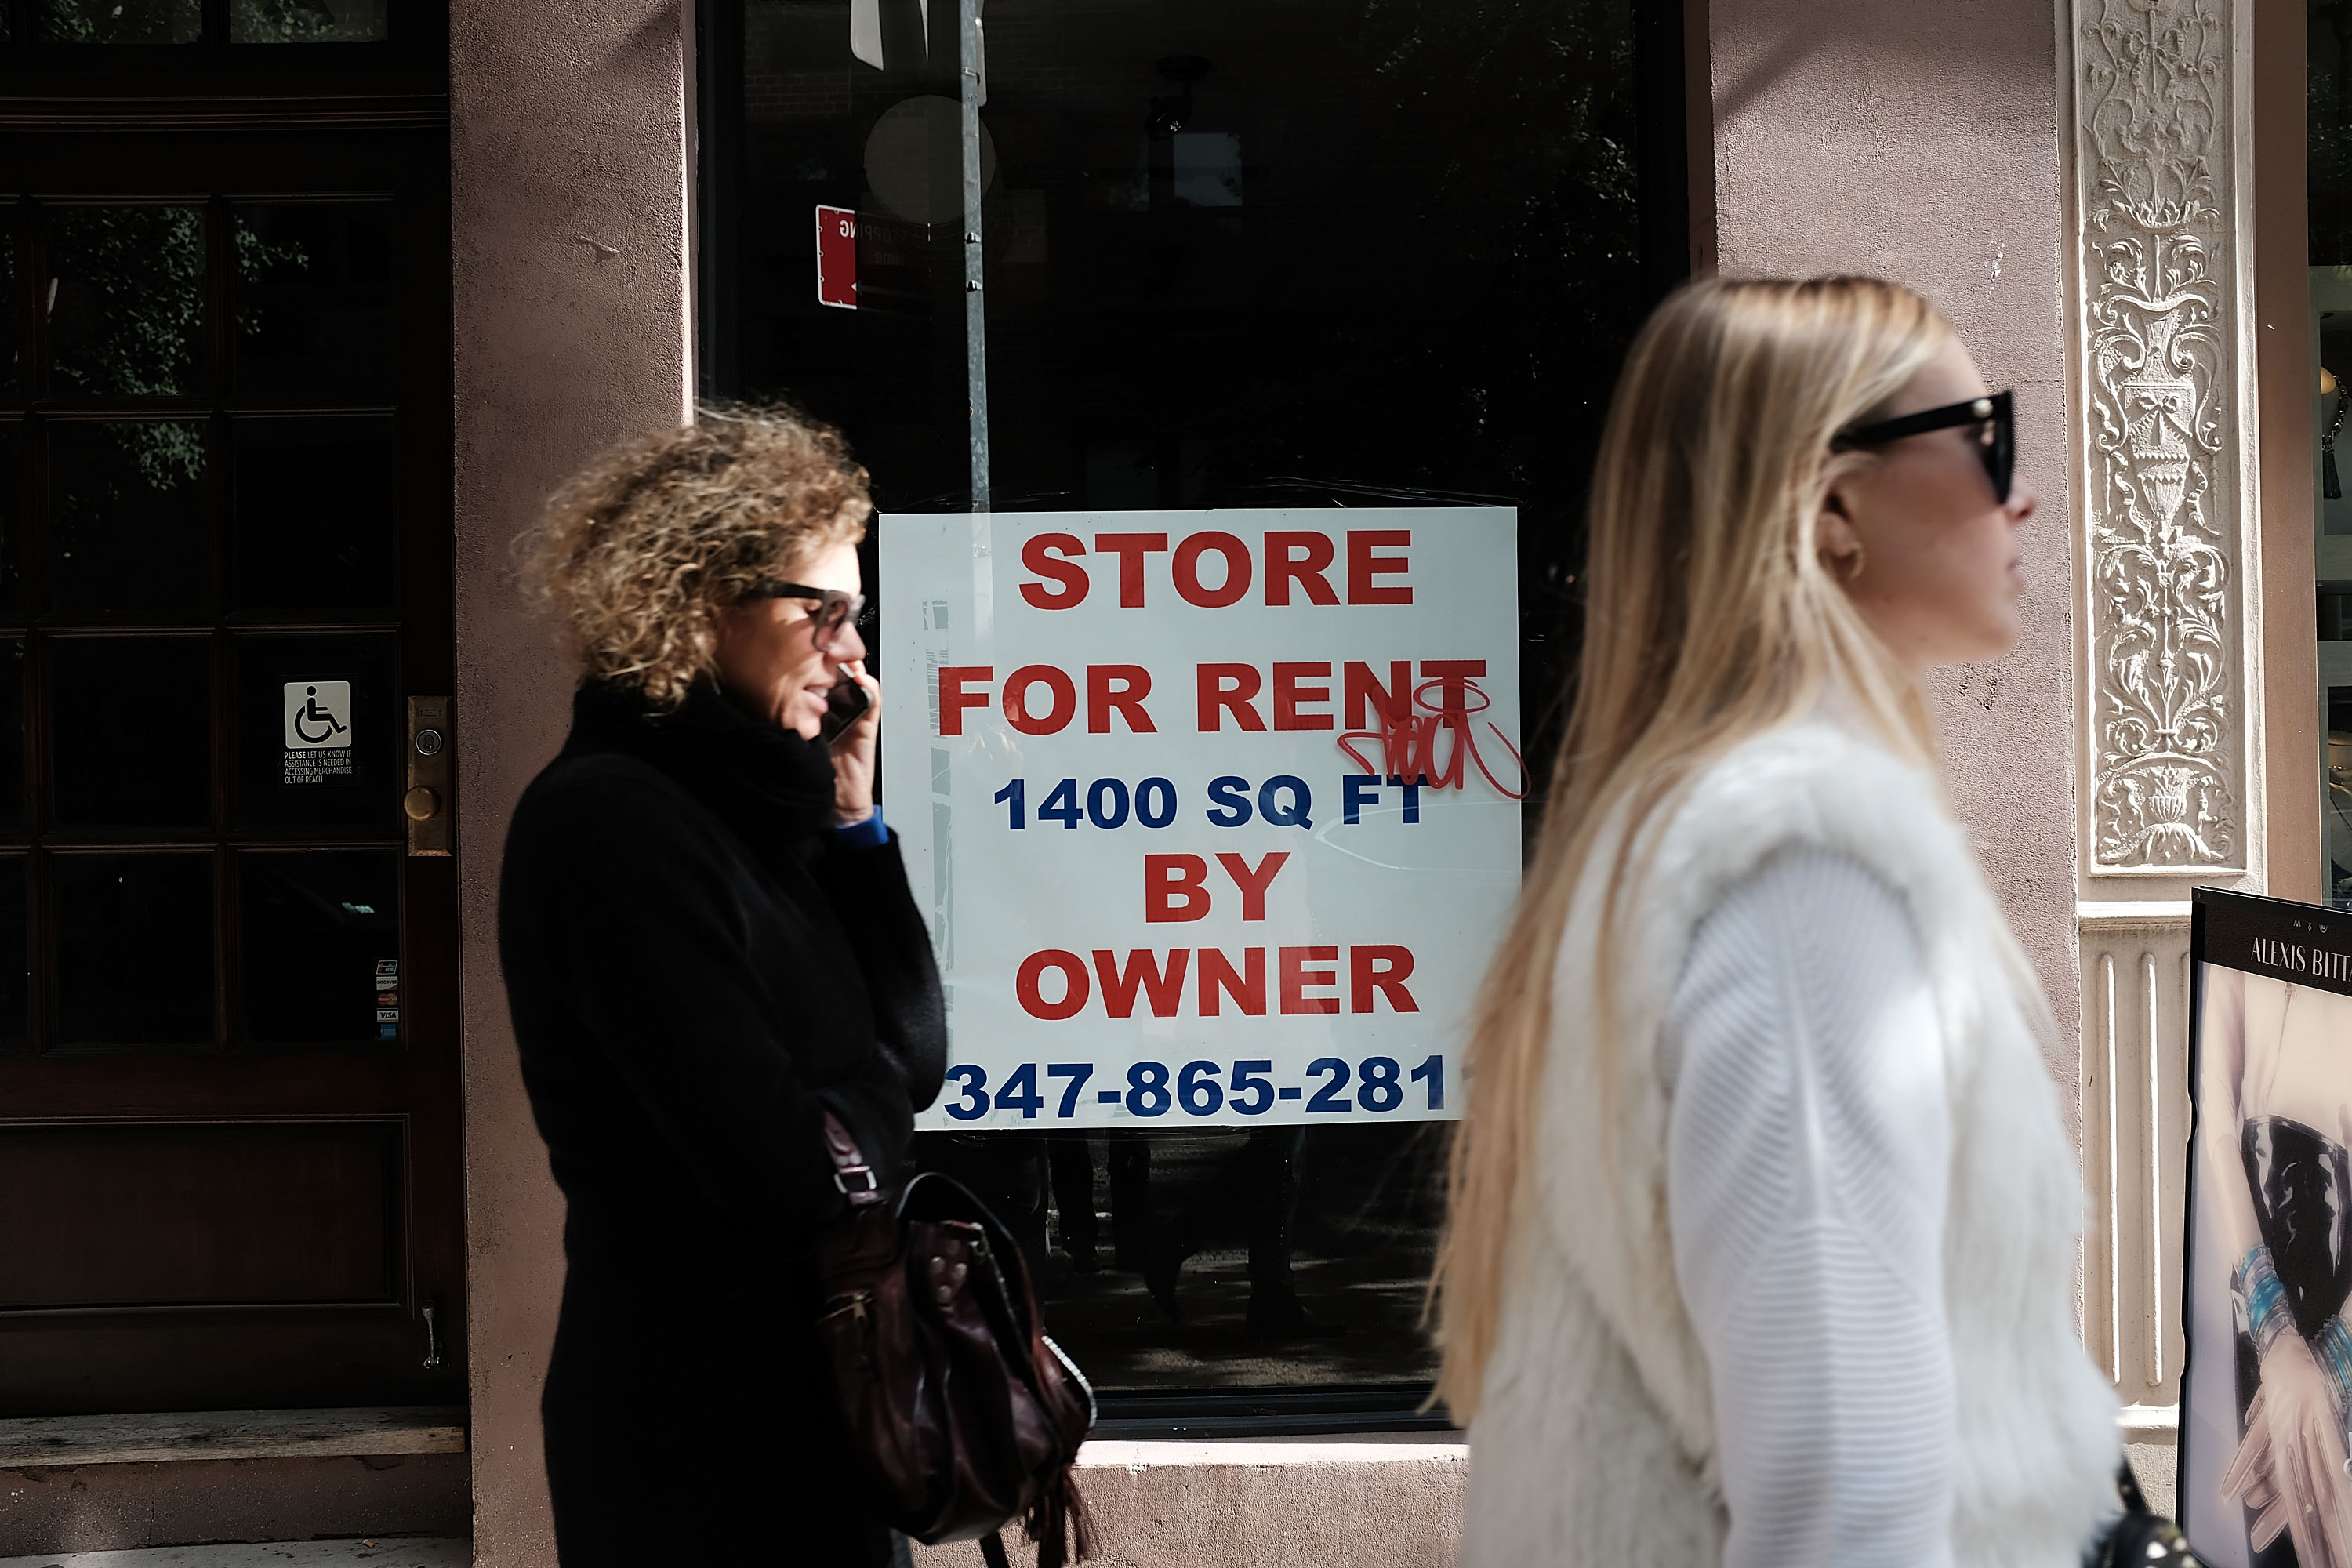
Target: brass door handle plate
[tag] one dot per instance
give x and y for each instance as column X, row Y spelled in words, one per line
column 427, row 804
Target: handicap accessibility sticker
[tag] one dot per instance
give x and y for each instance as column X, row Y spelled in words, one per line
column 318, row 731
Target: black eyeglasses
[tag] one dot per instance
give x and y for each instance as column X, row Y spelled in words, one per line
column 1996, row 442
column 834, row 613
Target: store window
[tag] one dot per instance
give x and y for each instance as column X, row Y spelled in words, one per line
column 1215, row 303
column 2330, row 133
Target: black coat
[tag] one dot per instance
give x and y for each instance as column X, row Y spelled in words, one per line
column 698, row 969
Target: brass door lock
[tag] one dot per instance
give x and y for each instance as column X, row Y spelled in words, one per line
column 427, row 804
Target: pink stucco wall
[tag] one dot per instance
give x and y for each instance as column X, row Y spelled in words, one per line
column 1920, row 142
column 568, row 134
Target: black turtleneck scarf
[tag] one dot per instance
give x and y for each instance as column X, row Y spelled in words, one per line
column 769, row 785
column 698, row 969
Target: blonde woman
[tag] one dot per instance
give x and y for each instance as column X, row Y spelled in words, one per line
column 1763, row 1230
column 709, row 947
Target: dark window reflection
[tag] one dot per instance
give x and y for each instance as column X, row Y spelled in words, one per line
column 12, row 374
column 16, row 987
column 311, row 516
column 314, row 302
column 2336, row 817
column 318, row 731
column 12, row 513
column 319, row 926
column 12, row 741
column 134, row 948
column 1258, row 257
column 126, row 311
column 1282, row 1254
column 305, row 21
column 121, row 21
column 2328, row 138
column 129, row 531
column 132, row 720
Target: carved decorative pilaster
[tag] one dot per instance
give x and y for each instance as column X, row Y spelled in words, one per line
column 2161, row 417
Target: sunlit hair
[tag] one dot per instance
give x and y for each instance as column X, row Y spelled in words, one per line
column 1710, row 617
column 637, row 550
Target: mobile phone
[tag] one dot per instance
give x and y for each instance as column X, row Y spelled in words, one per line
column 845, row 705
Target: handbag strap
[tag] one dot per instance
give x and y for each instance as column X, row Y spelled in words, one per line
column 2127, row 1488
column 992, row 1550
column 851, row 1173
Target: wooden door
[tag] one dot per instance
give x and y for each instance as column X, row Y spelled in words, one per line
column 229, row 1099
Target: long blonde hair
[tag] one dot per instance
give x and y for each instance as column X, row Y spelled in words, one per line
column 1710, row 617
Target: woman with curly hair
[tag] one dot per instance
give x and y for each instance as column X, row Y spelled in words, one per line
column 710, row 950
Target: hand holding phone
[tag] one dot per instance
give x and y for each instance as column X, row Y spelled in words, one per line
column 845, row 705
column 848, row 730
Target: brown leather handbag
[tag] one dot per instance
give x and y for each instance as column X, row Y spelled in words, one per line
column 963, row 1414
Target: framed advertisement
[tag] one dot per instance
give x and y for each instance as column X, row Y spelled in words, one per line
column 2264, row 1481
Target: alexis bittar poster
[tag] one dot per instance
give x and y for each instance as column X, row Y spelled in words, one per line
column 2264, row 1478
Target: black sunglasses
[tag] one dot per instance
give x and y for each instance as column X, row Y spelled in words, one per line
column 1996, row 444
column 835, row 608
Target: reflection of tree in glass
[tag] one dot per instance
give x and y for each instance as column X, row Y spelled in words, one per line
column 127, row 300
column 127, row 504
column 256, row 257
column 164, row 455
column 128, row 316
column 305, row 21
column 126, row 311
column 121, row 21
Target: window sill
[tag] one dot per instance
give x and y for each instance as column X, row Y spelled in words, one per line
column 1266, row 1453
column 146, row 1439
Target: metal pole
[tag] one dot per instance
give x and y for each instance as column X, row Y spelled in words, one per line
column 975, row 315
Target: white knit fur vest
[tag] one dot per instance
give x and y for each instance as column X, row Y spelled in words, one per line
column 1595, row 1447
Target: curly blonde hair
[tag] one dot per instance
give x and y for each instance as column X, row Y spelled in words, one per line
column 637, row 552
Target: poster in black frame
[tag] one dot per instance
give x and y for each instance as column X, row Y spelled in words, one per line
column 2267, row 1386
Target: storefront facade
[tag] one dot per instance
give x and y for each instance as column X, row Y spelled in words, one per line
column 1256, row 259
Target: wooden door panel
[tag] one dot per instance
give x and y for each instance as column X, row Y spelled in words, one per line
column 218, row 1215
column 250, row 1358
column 230, row 1142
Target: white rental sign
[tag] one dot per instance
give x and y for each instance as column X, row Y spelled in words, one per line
column 1216, row 814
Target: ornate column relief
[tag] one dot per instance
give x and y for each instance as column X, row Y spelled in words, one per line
column 2169, row 556
column 2161, row 411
